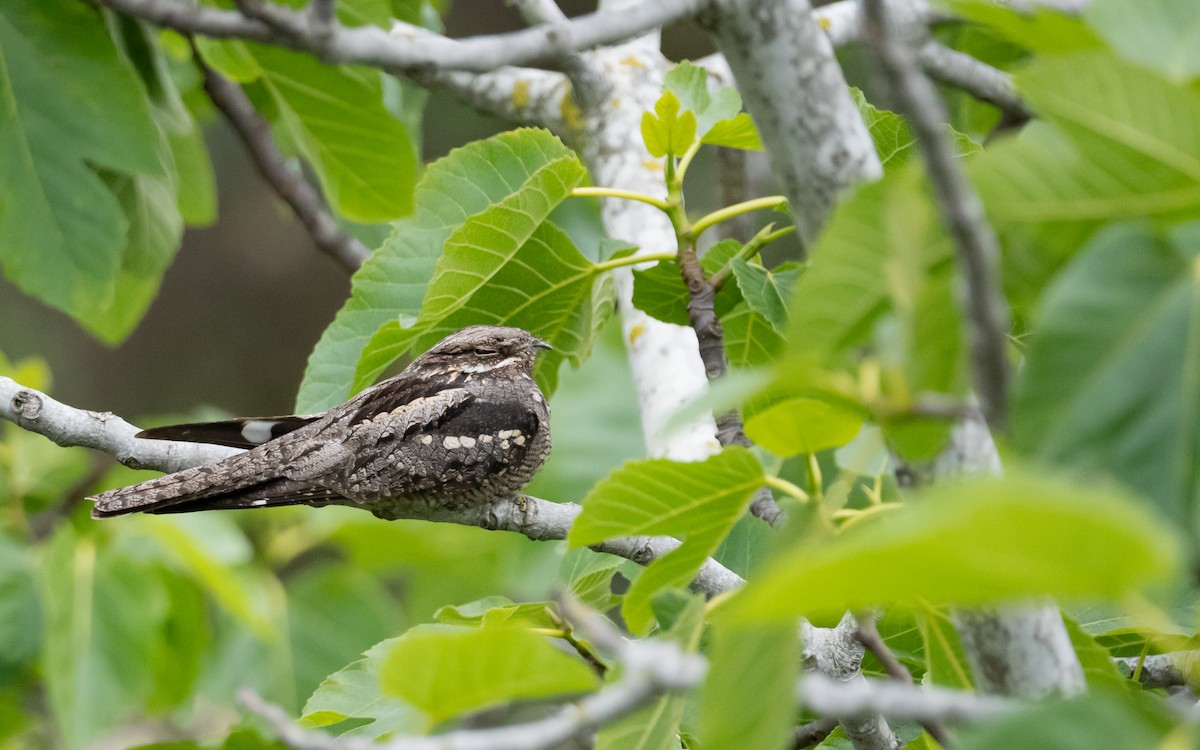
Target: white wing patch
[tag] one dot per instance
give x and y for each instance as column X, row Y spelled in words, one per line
column 257, row 431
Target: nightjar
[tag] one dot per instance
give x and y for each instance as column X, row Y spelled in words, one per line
column 464, row 422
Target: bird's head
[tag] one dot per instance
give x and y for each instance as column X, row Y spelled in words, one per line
column 495, row 350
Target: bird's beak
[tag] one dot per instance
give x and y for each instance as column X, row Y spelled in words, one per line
column 539, row 344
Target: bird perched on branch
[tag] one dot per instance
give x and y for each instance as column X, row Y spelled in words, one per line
column 464, row 422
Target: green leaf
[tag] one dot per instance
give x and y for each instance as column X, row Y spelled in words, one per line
column 747, row 699
column 392, row 282
column 1110, row 382
column 1100, row 719
column 668, row 130
column 1039, row 29
column 1122, row 146
column 696, row 501
column 894, row 142
column 493, row 611
column 970, row 543
column 689, row 83
column 335, row 115
column 882, row 277
column 656, row 727
column 68, row 104
column 736, row 132
column 446, row 671
column 565, row 301
column 802, row 425
column 1098, row 666
column 96, row 674
column 1159, row 35
column 659, row 290
column 353, row 692
column 588, row 576
column 945, row 663
column 766, row 292
column 750, row 339
column 20, row 609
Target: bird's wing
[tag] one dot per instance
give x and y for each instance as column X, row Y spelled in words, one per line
column 236, row 433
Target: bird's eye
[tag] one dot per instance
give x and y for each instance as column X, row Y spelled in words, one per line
column 481, row 351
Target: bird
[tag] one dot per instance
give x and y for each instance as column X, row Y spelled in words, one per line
column 464, row 422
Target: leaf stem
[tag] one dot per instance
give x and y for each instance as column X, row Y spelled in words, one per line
column 737, row 209
column 630, row 195
column 686, row 160
column 630, row 260
column 786, row 487
column 764, row 237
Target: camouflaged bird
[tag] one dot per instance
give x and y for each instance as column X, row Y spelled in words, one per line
column 464, row 422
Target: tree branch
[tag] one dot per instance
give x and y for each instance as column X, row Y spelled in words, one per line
column 794, row 89
column 650, row 668
column 959, row 206
column 303, row 199
column 545, row 44
column 537, row 519
column 868, row 635
column 975, row 77
column 1162, row 670
column 833, row 664
column 863, row 698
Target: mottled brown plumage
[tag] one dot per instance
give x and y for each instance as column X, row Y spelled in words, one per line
column 465, row 421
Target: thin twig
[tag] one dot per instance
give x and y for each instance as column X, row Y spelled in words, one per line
column 813, row 733
column 301, row 197
column 868, row 635
column 959, row 206
column 977, row 78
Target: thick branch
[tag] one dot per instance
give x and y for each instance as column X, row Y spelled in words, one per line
column 1163, row 670
column 532, row 517
column 959, row 206
column 545, row 44
column 794, row 89
column 833, row 663
column 303, row 199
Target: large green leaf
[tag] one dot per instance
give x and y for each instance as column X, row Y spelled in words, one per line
column 1110, row 384
column 392, row 283
column 1100, row 719
column 353, row 692
column 509, row 266
column 68, row 104
column 1038, row 29
column 656, row 727
column 698, row 502
column 1123, row 145
column 1161, row 34
column 20, row 609
column 882, row 280
column 446, row 671
column 335, row 116
column 972, row 543
column 747, row 700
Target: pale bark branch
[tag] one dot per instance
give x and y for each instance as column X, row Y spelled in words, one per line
column 301, row 197
column 537, row 519
column 794, row 89
column 864, row 698
column 1163, row 670
column 833, row 661
column 977, row 78
column 959, row 206
column 545, row 44
column 649, row 668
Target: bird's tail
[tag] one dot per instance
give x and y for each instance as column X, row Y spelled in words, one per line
column 234, row 482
